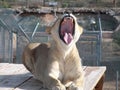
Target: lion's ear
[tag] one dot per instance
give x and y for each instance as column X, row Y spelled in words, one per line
column 48, row 30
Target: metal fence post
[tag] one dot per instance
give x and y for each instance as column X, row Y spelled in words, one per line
column 3, row 43
column 10, row 47
column 117, row 78
column 100, row 38
column 17, row 49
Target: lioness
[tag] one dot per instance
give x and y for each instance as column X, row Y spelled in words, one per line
column 57, row 63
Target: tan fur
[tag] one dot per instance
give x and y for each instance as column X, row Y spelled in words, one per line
column 56, row 64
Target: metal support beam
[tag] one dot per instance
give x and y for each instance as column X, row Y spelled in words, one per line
column 100, row 39
column 117, row 80
column 3, row 43
column 36, row 27
column 10, row 47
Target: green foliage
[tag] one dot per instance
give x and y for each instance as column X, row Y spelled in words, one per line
column 5, row 4
column 65, row 5
column 116, row 37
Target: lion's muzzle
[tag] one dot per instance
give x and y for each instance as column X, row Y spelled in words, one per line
column 66, row 29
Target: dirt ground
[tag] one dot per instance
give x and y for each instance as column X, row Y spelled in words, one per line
column 111, row 75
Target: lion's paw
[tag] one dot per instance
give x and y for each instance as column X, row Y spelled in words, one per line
column 74, row 87
column 59, row 88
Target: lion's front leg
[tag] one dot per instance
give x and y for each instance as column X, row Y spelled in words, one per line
column 54, row 84
column 77, row 84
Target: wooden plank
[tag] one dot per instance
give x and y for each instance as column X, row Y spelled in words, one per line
column 84, row 67
column 9, row 69
column 92, row 76
column 13, row 76
column 31, row 84
column 99, row 85
column 16, row 77
column 3, row 65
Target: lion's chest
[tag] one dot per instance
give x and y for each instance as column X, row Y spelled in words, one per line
column 69, row 69
column 65, row 67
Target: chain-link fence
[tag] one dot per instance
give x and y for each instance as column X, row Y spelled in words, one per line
column 17, row 31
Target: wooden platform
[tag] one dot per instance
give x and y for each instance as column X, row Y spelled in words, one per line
column 16, row 77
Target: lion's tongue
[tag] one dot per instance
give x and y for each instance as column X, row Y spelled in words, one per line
column 68, row 38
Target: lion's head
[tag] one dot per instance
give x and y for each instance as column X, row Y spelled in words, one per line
column 66, row 30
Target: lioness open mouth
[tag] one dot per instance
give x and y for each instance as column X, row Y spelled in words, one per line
column 66, row 29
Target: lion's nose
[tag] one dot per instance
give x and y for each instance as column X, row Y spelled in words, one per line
column 67, row 13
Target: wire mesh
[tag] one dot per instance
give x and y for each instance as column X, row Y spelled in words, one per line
column 16, row 32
